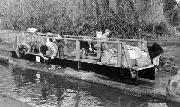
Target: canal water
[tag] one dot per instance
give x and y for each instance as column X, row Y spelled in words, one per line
column 42, row 89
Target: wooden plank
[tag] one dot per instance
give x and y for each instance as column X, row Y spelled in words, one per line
column 126, row 54
column 140, row 44
column 109, row 40
column 141, row 68
column 80, row 37
column 99, row 50
column 17, row 44
column 91, row 57
column 119, row 55
column 92, row 40
column 88, row 60
column 65, row 46
column 77, row 50
column 96, row 38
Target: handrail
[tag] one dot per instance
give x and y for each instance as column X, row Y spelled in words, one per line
column 82, row 38
column 112, row 39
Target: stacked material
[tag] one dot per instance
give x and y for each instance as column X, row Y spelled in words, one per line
column 141, row 57
column 138, row 58
column 109, row 57
column 144, row 60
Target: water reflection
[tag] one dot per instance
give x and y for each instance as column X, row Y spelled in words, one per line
column 45, row 89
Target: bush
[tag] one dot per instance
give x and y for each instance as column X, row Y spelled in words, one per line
column 52, row 16
column 167, row 63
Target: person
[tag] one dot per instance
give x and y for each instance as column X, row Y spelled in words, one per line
column 50, row 50
column 86, row 46
column 43, row 50
column 155, row 52
column 60, row 43
column 103, row 37
column 103, row 46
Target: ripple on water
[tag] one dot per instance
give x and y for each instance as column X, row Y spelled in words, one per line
column 45, row 90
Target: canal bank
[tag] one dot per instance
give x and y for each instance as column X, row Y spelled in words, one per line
column 147, row 89
column 6, row 101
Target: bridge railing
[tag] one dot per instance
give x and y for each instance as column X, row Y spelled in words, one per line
column 11, row 41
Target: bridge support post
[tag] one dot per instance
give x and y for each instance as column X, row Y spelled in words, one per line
column 119, row 58
column 78, row 53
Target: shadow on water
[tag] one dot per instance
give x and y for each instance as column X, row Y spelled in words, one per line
column 113, row 73
column 110, row 73
column 45, row 88
column 4, row 62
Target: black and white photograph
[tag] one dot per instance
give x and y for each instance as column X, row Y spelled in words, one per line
column 89, row 53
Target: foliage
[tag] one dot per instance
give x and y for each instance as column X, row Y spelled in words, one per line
column 167, row 63
column 171, row 9
column 55, row 16
column 118, row 26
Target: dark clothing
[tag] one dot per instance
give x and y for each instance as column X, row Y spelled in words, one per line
column 60, row 43
column 85, row 45
column 43, row 49
column 155, row 50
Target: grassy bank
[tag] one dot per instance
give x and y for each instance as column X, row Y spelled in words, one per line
column 6, row 101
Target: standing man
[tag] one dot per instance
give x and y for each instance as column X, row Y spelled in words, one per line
column 103, row 46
